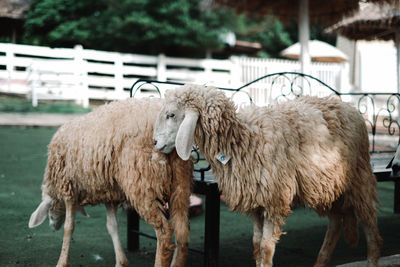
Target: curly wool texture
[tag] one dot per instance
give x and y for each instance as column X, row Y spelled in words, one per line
column 308, row 151
column 108, row 156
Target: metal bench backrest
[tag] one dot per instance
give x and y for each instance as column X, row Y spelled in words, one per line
column 380, row 110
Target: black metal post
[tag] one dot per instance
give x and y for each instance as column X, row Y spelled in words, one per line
column 133, row 230
column 212, row 217
column 397, row 195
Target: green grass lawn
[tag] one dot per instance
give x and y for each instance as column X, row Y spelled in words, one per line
column 23, row 105
column 22, row 162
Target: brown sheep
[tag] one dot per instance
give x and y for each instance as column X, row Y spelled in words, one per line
column 309, row 151
column 108, row 156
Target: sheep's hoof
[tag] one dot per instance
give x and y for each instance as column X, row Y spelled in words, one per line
column 122, row 263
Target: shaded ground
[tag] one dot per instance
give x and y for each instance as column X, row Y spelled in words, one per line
column 22, row 162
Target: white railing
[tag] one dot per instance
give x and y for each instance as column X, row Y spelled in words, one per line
column 82, row 74
column 333, row 74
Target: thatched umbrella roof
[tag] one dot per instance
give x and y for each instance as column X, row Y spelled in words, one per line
column 371, row 22
column 374, row 21
column 320, row 11
column 12, row 17
column 319, row 51
column 13, row 9
column 390, row 2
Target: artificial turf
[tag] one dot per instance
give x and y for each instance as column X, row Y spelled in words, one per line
column 12, row 104
column 22, row 162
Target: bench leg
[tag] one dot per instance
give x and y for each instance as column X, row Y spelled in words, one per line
column 397, row 196
column 133, row 229
column 211, row 236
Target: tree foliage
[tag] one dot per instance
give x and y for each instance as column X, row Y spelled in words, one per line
column 174, row 27
column 150, row 26
column 274, row 35
column 267, row 30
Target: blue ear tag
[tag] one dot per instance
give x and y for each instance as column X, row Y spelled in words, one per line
column 223, row 158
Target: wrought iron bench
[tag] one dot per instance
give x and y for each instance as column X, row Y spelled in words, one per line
column 378, row 109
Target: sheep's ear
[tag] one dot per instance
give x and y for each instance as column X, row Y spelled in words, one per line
column 40, row 214
column 185, row 136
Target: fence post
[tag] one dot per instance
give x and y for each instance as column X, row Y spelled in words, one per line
column 161, row 68
column 119, row 76
column 10, row 65
column 342, row 79
column 207, row 67
column 80, row 73
column 33, row 78
column 236, row 74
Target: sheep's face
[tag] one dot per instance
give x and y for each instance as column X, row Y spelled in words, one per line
column 175, row 127
column 56, row 219
column 55, row 210
column 167, row 126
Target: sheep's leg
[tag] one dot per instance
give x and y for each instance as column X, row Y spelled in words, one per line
column 112, row 228
column 257, row 235
column 270, row 236
column 68, row 230
column 374, row 240
column 331, row 238
column 155, row 216
column 164, row 244
column 179, row 209
column 350, row 228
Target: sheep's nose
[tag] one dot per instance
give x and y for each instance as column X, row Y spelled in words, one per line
column 154, row 141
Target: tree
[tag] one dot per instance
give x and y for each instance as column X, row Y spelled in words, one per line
column 173, row 27
column 141, row 26
column 273, row 35
column 267, row 30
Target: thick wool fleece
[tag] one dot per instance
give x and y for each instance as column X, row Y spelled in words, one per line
column 108, row 156
column 311, row 151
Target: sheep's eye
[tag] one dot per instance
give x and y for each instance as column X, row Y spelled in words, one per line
column 170, row 115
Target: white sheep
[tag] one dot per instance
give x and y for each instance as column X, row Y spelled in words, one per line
column 309, row 151
column 108, row 156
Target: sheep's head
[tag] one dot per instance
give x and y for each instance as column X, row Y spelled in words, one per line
column 176, row 122
column 175, row 128
column 55, row 211
column 56, row 217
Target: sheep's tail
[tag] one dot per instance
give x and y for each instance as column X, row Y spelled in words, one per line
column 350, row 229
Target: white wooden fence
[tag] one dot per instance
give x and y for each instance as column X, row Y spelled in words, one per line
column 333, row 74
column 82, row 74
